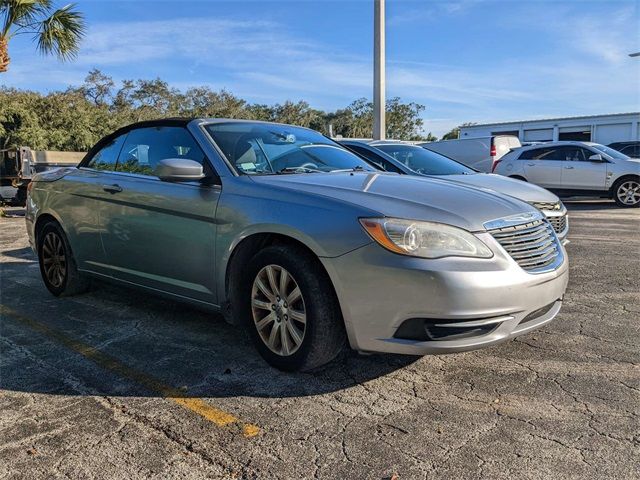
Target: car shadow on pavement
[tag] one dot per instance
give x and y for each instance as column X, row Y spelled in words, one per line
column 25, row 252
column 43, row 339
column 11, row 211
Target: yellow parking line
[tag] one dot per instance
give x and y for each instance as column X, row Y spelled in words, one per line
column 196, row 405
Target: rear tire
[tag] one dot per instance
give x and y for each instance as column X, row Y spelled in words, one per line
column 289, row 308
column 626, row 192
column 57, row 264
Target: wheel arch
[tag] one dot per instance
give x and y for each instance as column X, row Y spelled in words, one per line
column 244, row 250
column 41, row 220
column 619, row 180
column 622, row 178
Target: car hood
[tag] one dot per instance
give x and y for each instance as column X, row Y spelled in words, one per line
column 525, row 191
column 403, row 196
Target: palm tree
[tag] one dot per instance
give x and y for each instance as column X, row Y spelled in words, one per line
column 57, row 32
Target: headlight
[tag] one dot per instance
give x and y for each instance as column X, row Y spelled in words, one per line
column 424, row 239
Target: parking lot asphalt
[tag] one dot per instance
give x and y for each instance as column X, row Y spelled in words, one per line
column 118, row 384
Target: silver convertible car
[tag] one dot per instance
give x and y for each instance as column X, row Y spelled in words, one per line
column 298, row 240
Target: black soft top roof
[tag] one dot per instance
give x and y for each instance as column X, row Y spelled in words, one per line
column 160, row 122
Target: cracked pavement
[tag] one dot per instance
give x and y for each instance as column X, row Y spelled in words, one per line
column 560, row 402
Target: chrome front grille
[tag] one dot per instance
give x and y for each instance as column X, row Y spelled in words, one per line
column 559, row 224
column 532, row 245
column 547, row 205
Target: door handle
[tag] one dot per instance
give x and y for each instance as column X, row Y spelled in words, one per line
column 531, row 164
column 569, row 168
column 112, row 188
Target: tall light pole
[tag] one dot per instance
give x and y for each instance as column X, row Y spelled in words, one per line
column 379, row 124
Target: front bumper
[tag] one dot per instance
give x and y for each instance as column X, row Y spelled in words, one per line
column 379, row 291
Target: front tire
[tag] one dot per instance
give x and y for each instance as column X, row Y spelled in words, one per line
column 626, row 192
column 57, row 264
column 290, row 309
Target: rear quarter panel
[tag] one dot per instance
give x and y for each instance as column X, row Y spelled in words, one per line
column 69, row 201
column 510, row 166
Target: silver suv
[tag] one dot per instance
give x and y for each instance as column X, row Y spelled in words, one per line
column 576, row 169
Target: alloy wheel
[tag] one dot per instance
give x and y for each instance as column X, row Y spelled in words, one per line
column 629, row 192
column 278, row 310
column 54, row 260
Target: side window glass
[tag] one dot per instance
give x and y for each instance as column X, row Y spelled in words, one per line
column 107, row 156
column 538, row 154
column 389, row 167
column 376, row 160
column 526, row 155
column 585, row 154
column 569, row 154
column 558, row 154
column 145, row 147
column 371, row 157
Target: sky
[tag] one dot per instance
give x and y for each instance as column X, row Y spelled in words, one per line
column 464, row 60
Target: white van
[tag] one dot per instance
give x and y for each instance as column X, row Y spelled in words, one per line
column 480, row 153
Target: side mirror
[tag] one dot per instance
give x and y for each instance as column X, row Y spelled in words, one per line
column 179, row 170
column 596, row 157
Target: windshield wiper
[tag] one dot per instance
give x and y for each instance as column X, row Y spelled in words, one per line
column 298, row 170
column 357, row 168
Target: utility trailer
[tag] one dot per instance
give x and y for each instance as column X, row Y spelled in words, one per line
column 18, row 166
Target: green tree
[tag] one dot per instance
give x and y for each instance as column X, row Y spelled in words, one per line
column 154, row 98
column 204, row 102
column 98, row 87
column 57, row 32
column 76, row 118
column 262, row 112
column 403, row 120
column 454, row 133
column 429, row 138
column 299, row 113
column 19, row 121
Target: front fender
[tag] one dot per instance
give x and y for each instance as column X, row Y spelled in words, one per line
column 327, row 228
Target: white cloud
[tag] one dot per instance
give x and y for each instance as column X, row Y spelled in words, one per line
column 429, row 11
column 609, row 35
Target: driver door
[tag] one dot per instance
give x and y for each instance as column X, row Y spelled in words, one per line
column 155, row 233
column 578, row 172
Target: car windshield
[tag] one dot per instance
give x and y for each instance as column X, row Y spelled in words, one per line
column 611, row 152
column 424, row 161
column 267, row 148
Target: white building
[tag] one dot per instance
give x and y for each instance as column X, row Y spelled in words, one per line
column 604, row 129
